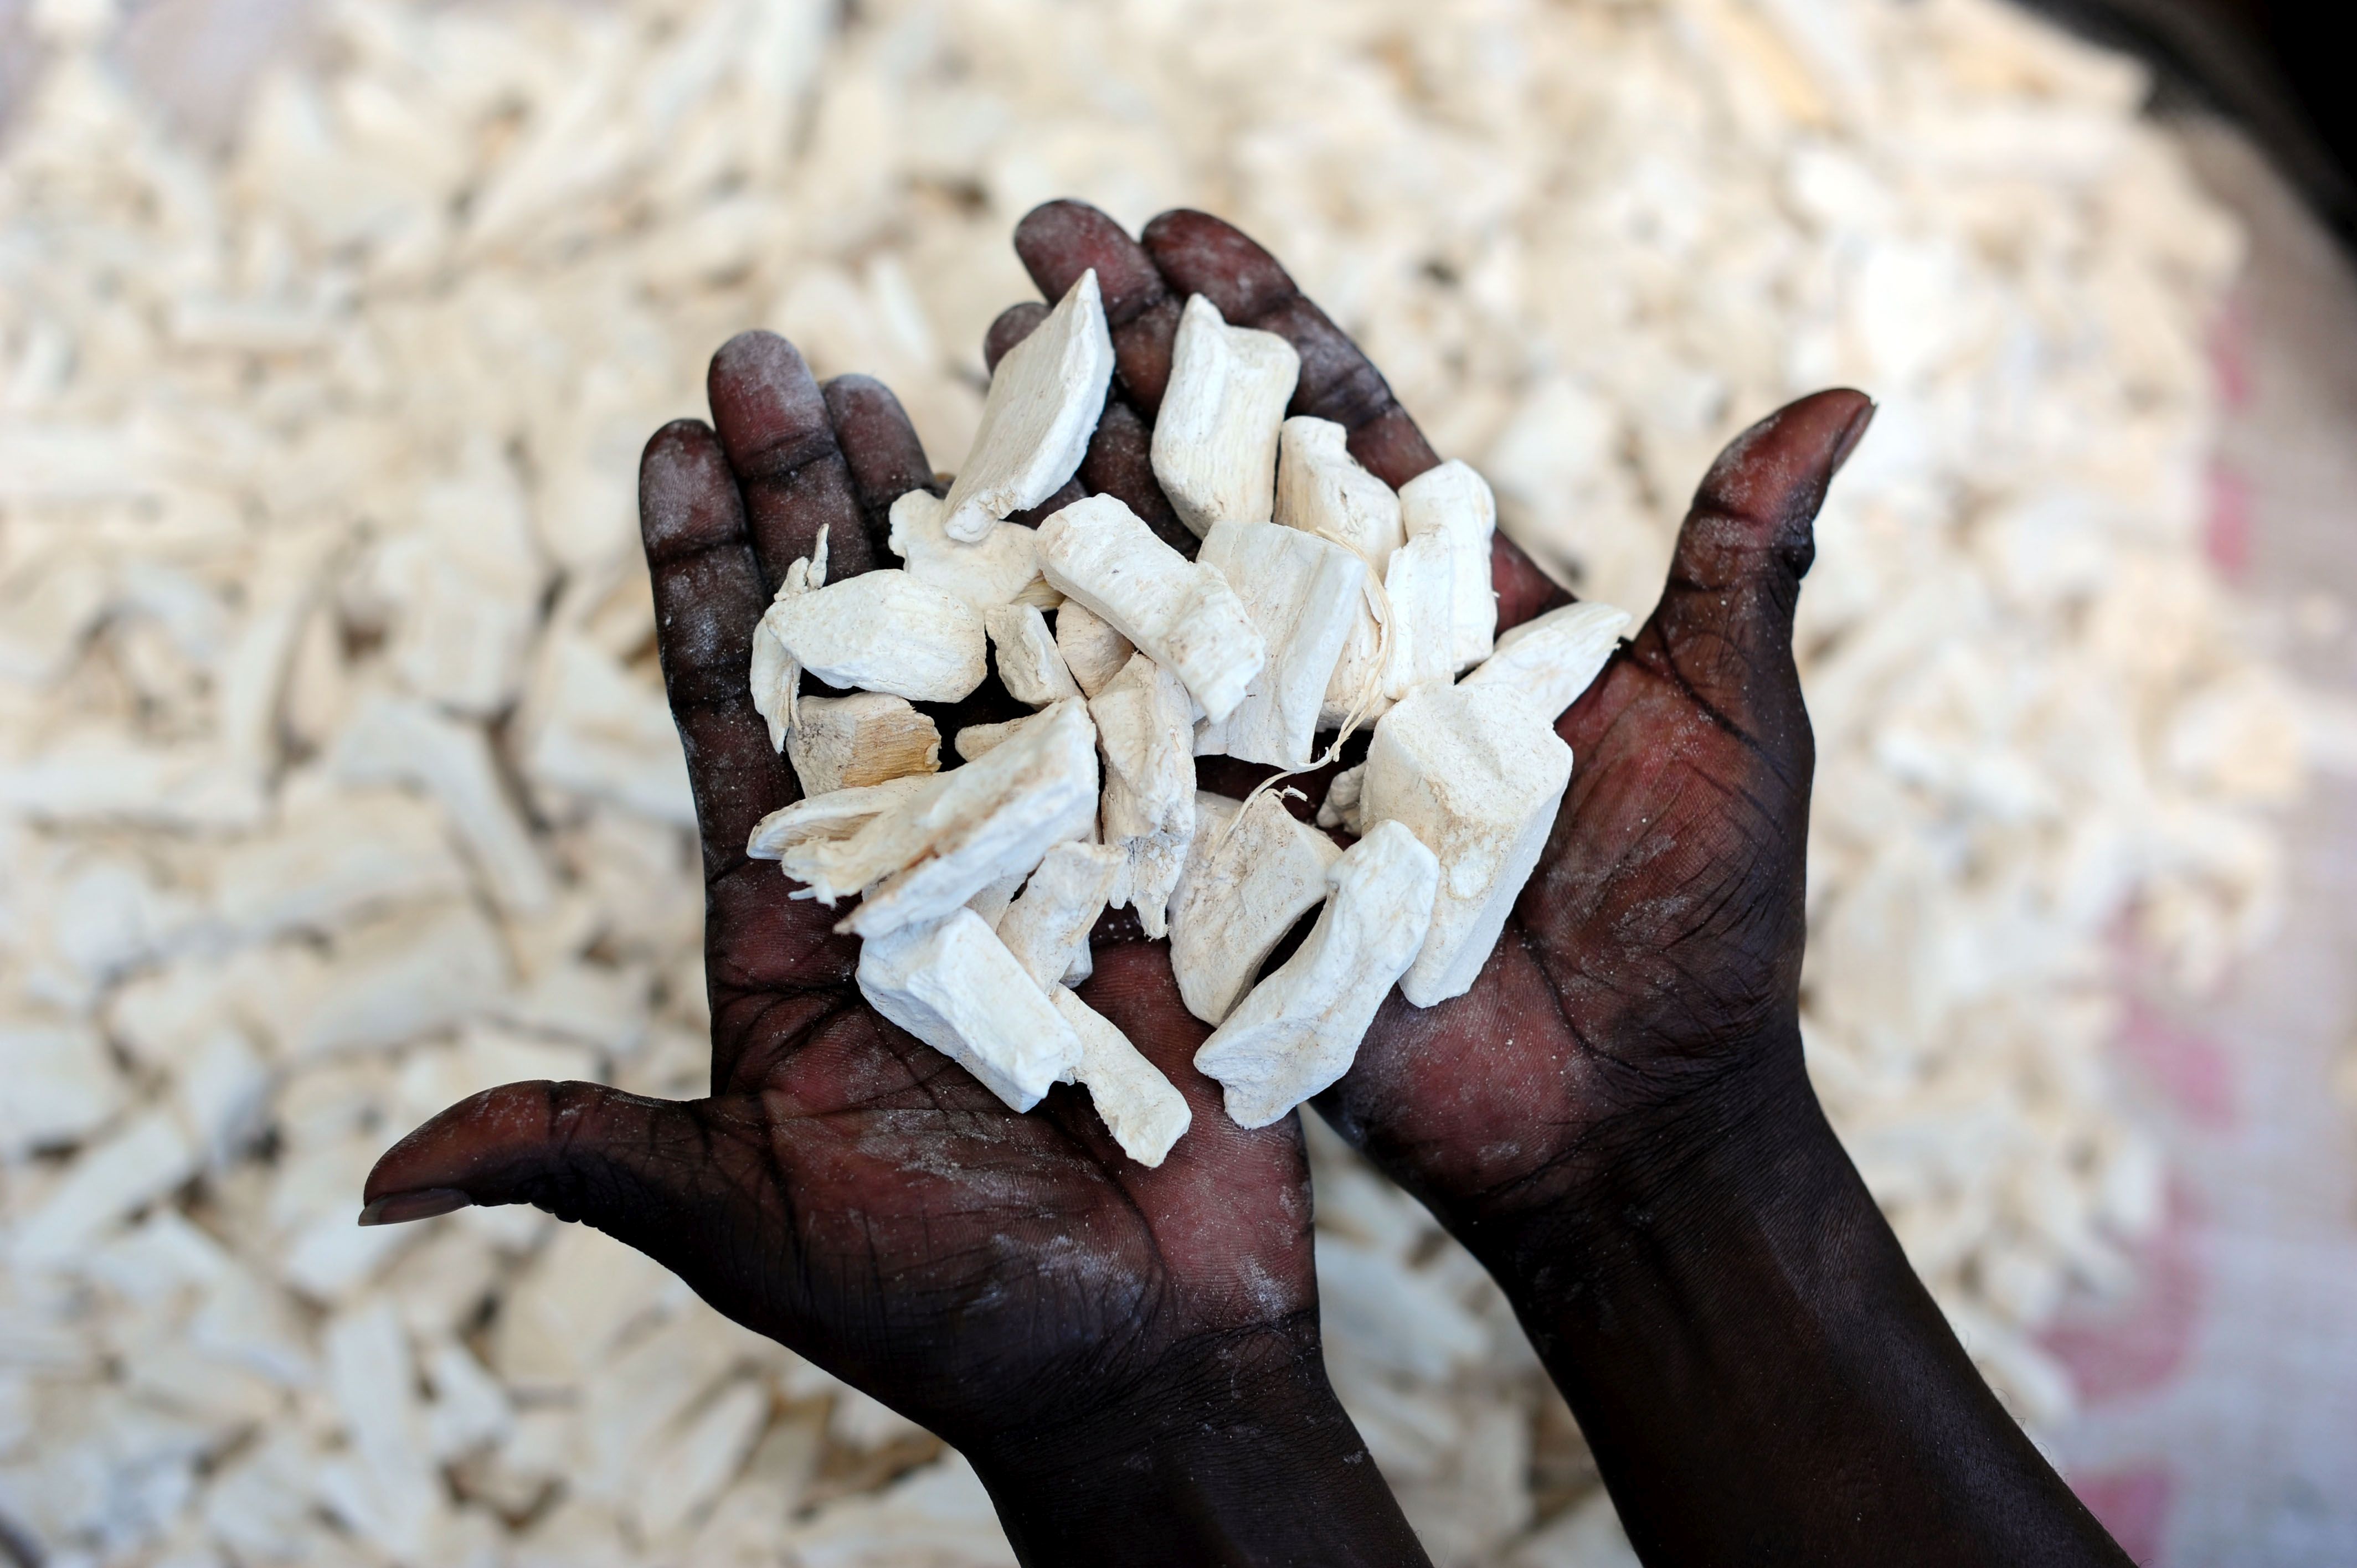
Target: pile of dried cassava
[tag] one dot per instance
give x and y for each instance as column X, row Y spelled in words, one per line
column 336, row 781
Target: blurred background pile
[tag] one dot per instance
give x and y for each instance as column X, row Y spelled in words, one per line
column 336, row 781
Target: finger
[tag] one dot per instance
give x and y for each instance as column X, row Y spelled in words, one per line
column 1014, row 323
column 773, row 423
column 708, row 598
column 1120, row 463
column 1524, row 591
column 1198, row 253
column 880, row 449
column 1058, row 240
column 1723, row 627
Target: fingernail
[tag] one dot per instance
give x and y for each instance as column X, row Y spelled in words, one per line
column 1852, row 434
column 401, row 1207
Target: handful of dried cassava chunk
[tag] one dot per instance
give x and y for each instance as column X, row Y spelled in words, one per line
column 1320, row 598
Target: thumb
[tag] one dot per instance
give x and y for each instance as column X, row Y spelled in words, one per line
column 1725, row 621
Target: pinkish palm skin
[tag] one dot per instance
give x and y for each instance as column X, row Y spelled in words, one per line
column 1131, row 1357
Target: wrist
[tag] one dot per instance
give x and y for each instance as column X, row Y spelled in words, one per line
column 1235, row 1450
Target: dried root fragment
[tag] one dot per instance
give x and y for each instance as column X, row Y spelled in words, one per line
column 1552, row 659
column 992, row 902
column 1002, row 568
column 1454, row 501
column 837, row 816
column 1142, row 1109
column 884, row 631
column 1215, row 434
column 867, row 737
column 924, row 856
column 1300, row 1029
column 1092, row 650
column 1146, row 728
column 953, row 985
column 1029, row 664
column 1476, row 773
column 1047, row 928
column 1252, row 872
column 776, row 677
column 1341, row 807
column 1321, row 489
column 1181, row 612
column 1043, row 404
column 1305, row 595
column 1421, row 586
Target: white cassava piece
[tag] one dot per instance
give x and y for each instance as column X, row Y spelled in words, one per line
column 1143, row 1111
column 1029, row 664
column 836, row 815
column 1001, row 568
column 1341, row 807
column 1305, row 595
column 1455, row 502
column 1420, row 586
column 867, row 737
column 1047, row 927
column 952, row 984
column 976, row 741
column 1092, row 650
column 884, row 631
column 1322, row 489
column 1214, row 449
column 1146, row 728
column 1552, row 657
column 1043, row 406
column 1180, row 612
column 1300, row 1029
column 929, row 853
column 1476, row 772
column 776, row 675
column 1249, row 877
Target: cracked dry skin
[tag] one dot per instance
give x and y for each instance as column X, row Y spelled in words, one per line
column 853, row 1193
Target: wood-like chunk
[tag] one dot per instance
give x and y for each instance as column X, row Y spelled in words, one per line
column 884, row 631
column 1215, row 434
column 1552, row 657
column 1003, row 568
column 1029, row 664
column 1047, row 928
column 1476, row 773
column 1142, row 1109
column 776, row 676
column 1455, row 503
column 1146, row 729
column 1305, row 595
column 977, row 741
column 867, row 737
column 923, row 857
column 1248, row 878
column 1092, row 650
column 1341, row 807
column 1300, row 1029
column 952, row 984
column 837, row 816
column 1043, row 404
column 1421, row 585
column 1181, row 612
column 1321, row 489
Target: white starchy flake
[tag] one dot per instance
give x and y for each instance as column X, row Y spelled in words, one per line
column 1002, row 568
column 391, row 740
column 954, row 986
column 1246, row 881
column 1146, row 729
column 1142, row 1109
column 1300, row 1029
column 977, row 741
column 1344, row 798
column 867, row 737
column 1035, row 424
column 837, row 816
column 1181, row 612
column 1476, row 773
column 775, row 675
column 1455, row 503
column 1321, row 489
column 992, row 901
column 1214, row 449
column 1552, row 657
column 1092, row 650
column 1420, row 586
column 1305, row 595
column 335, row 856
column 884, row 631
column 1028, row 664
column 1047, row 928
column 930, row 851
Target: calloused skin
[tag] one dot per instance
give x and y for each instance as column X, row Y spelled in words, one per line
column 1614, row 1118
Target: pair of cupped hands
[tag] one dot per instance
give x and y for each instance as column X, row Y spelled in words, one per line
column 1130, row 1357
